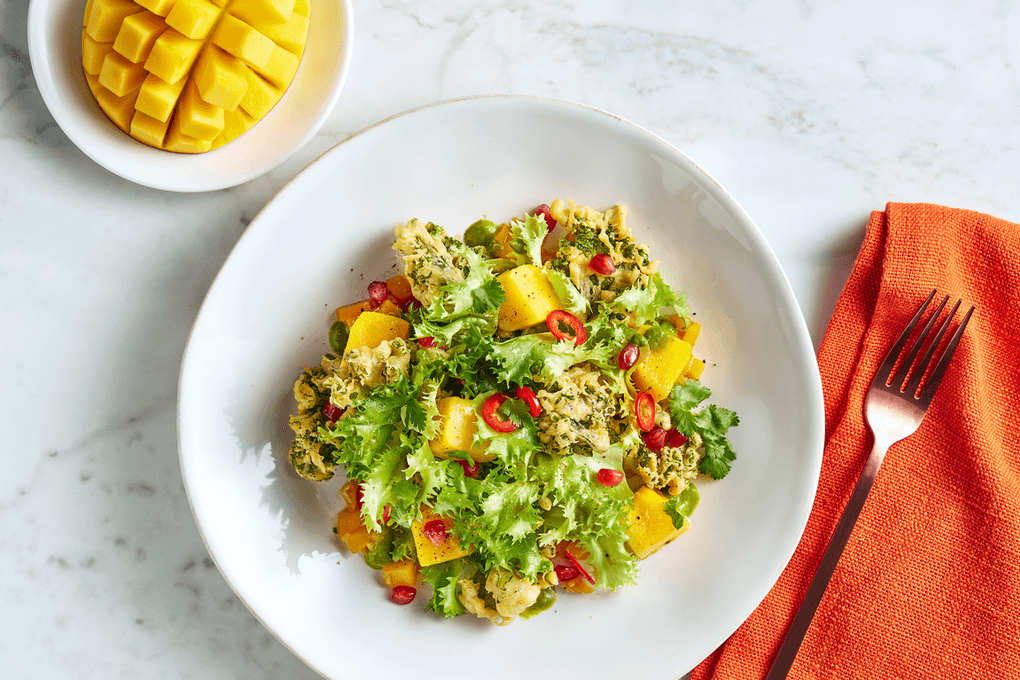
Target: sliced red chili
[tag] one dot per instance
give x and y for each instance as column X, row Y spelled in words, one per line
column 655, row 439
column 377, row 292
column 573, row 560
column 331, row 412
column 402, row 594
column 566, row 572
column 610, row 477
column 675, row 438
column 527, row 395
column 386, row 514
column 602, row 264
column 490, row 413
column 644, row 411
column 628, row 356
column 546, row 214
column 470, row 467
column 435, row 531
column 565, row 326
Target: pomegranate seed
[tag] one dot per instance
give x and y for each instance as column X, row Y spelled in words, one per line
column 628, row 356
column 610, row 477
column 359, row 497
column 655, row 438
column 402, row 594
column 566, row 572
column 331, row 412
column 602, row 264
column 426, row 342
column 544, row 211
column 386, row 514
column 435, row 531
column 377, row 292
column 573, row 560
column 470, row 467
column 675, row 438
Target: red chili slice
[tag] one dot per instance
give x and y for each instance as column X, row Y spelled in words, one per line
column 377, row 292
column 602, row 264
column 470, row 467
column 675, row 438
column 546, row 213
column 655, row 439
column 359, row 497
column 610, row 477
column 565, row 326
column 386, row 514
column 527, row 395
column 573, row 560
column 566, row 572
column 435, row 531
column 402, row 594
column 331, row 412
column 628, row 356
column 644, row 411
column 490, row 413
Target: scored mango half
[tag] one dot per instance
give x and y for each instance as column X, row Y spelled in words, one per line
column 191, row 75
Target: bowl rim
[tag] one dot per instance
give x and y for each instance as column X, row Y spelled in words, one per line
column 52, row 23
column 815, row 398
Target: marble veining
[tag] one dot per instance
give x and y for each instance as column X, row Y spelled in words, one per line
column 811, row 114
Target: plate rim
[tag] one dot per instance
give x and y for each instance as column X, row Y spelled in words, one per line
column 815, row 439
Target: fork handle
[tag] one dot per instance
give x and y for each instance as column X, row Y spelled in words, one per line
column 801, row 622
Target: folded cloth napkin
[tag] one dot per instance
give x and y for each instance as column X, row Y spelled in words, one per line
column 929, row 583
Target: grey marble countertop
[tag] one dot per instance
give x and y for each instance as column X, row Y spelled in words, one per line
column 812, row 114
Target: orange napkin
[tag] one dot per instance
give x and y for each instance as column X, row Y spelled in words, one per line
column 929, row 583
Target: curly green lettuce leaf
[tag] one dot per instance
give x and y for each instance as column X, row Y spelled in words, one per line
column 648, row 303
column 567, row 292
column 526, row 239
column 443, row 579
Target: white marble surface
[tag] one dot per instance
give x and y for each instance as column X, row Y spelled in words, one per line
column 811, row 113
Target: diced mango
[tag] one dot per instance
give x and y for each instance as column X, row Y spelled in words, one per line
column 402, row 573
column 501, row 242
column 196, row 117
column 119, row 75
column 348, row 313
column 244, row 42
column 659, row 371
column 696, row 369
column 137, row 35
column 399, row 287
column 690, row 335
column 371, row 328
column 352, row 531
column 458, row 429
column 215, row 43
column 650, row 527
column 388, row 306
column 529, row 298
column 157, row 98
column 428, row 552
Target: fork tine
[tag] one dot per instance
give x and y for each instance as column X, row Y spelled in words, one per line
column 940, row 368
column 908, row 361
column 890, row 360
column 922, row 366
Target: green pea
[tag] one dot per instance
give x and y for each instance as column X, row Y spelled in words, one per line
column 546, row 598
column 480, row 233
column 338, row 335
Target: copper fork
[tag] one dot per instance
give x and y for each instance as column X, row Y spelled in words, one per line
column 893, row 412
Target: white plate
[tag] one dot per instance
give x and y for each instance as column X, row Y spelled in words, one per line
column 54, row 44
column 317, row 245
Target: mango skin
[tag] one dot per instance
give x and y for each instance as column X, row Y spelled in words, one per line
column 371, row 328
column 457, row 430
column 659, row 371
column 529, row 298
column 650, row 527
column 137, row 56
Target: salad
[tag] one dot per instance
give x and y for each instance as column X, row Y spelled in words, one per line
column 519, row 412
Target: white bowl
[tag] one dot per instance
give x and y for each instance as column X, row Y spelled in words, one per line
column 328, row 233
column 54, row 43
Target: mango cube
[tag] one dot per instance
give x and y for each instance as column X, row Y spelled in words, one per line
column 144, row 52
column 137, row 35
column 457, row 430
column 529, row 298
column 696, row 369
column 650, row 527
column 371, row 328
column 402, row 573
column 659, row 371
column 348, row 313
column 428, row 552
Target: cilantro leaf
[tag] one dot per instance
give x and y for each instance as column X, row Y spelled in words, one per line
column 488, row 297
column 714, row 421
column 682, row 400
